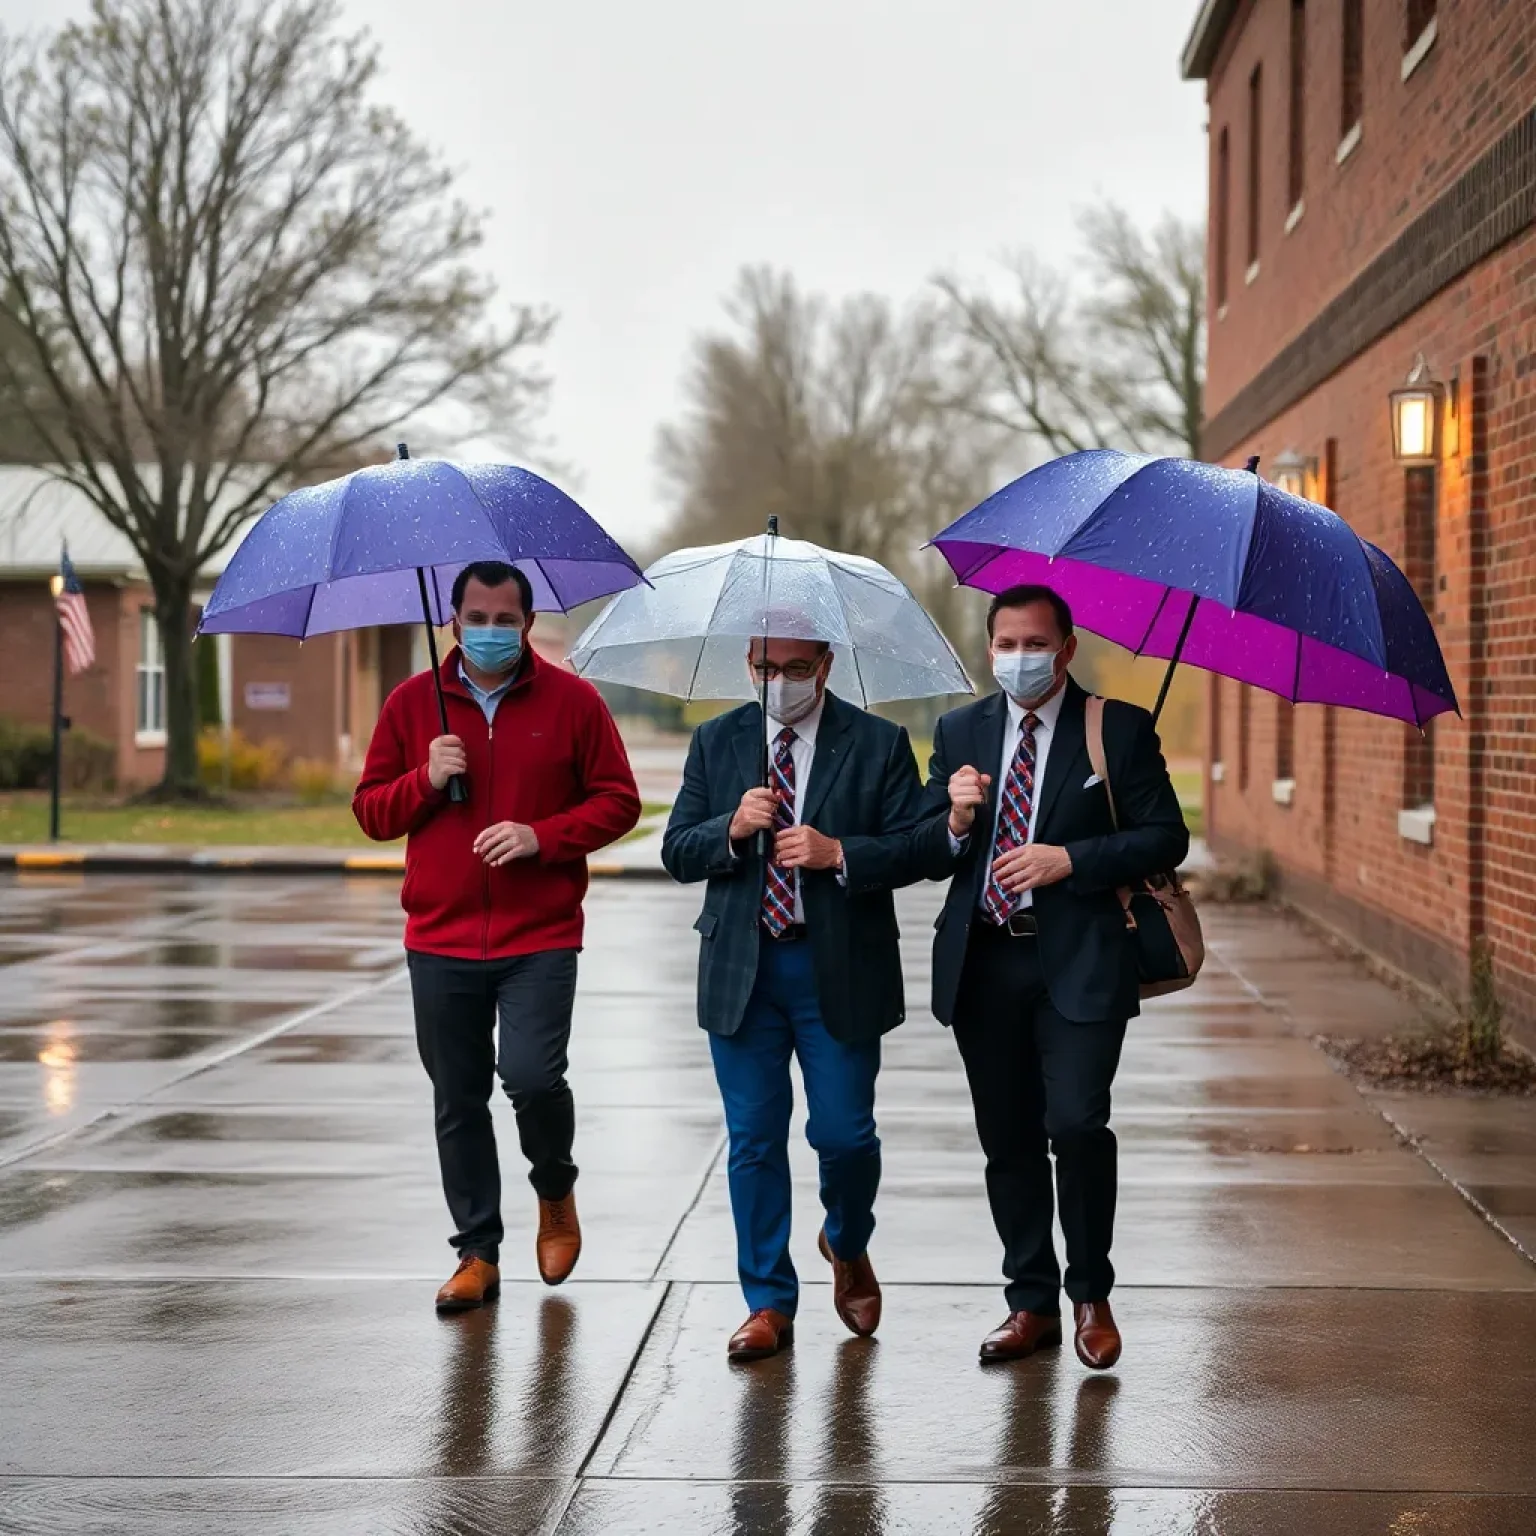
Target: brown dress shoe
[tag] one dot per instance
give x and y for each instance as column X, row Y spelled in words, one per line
column 855, row 1291
column 559, row 1241
column 764, row 1333
column 1021, row 1334
column 472, row 1284
column 1098, row 1340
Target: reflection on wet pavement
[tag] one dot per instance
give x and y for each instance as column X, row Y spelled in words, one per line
column 218, row 1191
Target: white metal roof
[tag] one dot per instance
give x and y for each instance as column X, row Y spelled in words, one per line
column 39, row 513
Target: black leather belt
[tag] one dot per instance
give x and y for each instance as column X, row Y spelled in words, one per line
column 793, row 932
column 1020, row 925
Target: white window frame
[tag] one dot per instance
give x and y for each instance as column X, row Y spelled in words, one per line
column 149, row 684
column 1421, row 46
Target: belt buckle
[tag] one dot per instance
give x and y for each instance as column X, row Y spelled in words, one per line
column 1026, row 927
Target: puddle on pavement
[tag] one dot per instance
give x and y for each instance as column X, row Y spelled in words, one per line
column 260, row 1126
column 189, row 954
column 139, row 1014
column 338, row 1050
column 47, row 1047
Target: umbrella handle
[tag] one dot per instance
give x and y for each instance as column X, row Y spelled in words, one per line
column 458, row 785
column 773, row 533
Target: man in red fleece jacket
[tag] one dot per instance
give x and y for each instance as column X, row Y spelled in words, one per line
column 492, row 894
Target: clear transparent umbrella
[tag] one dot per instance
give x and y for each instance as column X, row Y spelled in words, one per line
column 686, row 634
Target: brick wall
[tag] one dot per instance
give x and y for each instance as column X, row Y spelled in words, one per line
column 1461, row 125
column 1417, row 136
column 1484, row 849
column 310, row 727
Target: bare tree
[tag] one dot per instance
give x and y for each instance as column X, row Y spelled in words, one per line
column 1112, row 358
column 228, row 268
column 828, row 415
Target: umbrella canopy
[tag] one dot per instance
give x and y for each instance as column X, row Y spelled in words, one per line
column 1217, row 567
column 345, row 554
column 686, row 632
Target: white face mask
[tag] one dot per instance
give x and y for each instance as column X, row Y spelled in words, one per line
column 791, row 699
column 1025, row 676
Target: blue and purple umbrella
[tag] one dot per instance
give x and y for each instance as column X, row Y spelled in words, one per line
column 1216, row 567
column 384, row 544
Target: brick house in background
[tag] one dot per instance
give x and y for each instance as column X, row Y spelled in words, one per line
column 318, row 700
column 1373, row 202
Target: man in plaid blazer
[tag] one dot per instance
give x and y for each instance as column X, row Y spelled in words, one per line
column 798, row 956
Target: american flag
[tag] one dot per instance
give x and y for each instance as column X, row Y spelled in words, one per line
column 74, row 619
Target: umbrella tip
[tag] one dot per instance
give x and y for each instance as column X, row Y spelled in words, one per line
column 401, row 451
column 1252, row 466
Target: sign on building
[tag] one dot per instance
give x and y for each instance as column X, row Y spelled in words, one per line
column 267, row 696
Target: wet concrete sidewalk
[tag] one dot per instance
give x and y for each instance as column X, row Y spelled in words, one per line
column 220, row 1231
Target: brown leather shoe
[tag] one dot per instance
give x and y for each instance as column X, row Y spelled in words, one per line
column 764, row 1333
column 855, row 1291
column 1098, row 1340
column 559, row 1240
column 1021, row 1334
column 472, row 1284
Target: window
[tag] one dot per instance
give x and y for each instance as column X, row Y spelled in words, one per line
column 149, row 680
column 1352, row 73
column 1255, row 102
column 1243, row 693
column 1223, row 202
column 1285, row 747
column 1297, row 147
column 1419, row 14
column 1419, row 31
column 1419, row 567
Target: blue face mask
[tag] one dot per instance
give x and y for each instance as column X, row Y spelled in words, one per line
column 493, row 648
column 1025, row 676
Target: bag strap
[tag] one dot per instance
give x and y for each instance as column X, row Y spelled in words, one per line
column 1096, row 753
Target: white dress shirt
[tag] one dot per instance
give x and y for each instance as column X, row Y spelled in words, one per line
column 803, row 752
column 1046, row 716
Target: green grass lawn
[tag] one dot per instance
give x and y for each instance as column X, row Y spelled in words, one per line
column 24, row 819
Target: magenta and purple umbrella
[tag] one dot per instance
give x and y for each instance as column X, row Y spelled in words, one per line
column 1215, row 567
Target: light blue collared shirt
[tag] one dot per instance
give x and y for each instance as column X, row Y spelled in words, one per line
column 486, row 699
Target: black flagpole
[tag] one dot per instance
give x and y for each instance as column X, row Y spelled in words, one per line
column 58, row 711
column 458, row 785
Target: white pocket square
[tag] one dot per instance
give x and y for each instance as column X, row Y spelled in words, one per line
column 1091, row 780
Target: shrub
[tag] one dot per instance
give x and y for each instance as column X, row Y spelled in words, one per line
column 250, row 765
column 26, row 758
column 314, row 780
column 26, row 755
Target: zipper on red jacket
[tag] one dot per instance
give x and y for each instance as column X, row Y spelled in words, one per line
column 485, row 868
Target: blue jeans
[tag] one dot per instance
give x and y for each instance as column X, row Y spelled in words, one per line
column 783, row 1018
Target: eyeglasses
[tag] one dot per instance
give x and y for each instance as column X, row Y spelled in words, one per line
column 795, row 671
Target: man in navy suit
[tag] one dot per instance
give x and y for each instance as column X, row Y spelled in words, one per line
column 1033, row 965
column 798, row 956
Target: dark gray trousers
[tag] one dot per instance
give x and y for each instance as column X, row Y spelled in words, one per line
column 459, row 1003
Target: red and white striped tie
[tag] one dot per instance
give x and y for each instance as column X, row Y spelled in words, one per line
column 1013, row 819
column 779, row 889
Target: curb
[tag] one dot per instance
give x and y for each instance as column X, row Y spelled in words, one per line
column 205, row 861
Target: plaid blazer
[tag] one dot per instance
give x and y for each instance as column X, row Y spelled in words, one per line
column 864, row 789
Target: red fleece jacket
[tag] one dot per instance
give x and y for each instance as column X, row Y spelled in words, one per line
column 552, row 759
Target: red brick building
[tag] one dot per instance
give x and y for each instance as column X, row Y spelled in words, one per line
column 319, row 701
column 1373, row 202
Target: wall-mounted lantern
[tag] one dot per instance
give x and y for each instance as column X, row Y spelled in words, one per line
column 1416, row 417
column 1295, row 474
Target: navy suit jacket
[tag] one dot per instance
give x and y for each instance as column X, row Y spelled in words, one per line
column 864, row 789
column 1087, row 957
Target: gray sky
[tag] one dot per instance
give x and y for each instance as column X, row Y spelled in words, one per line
column 634, row 156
